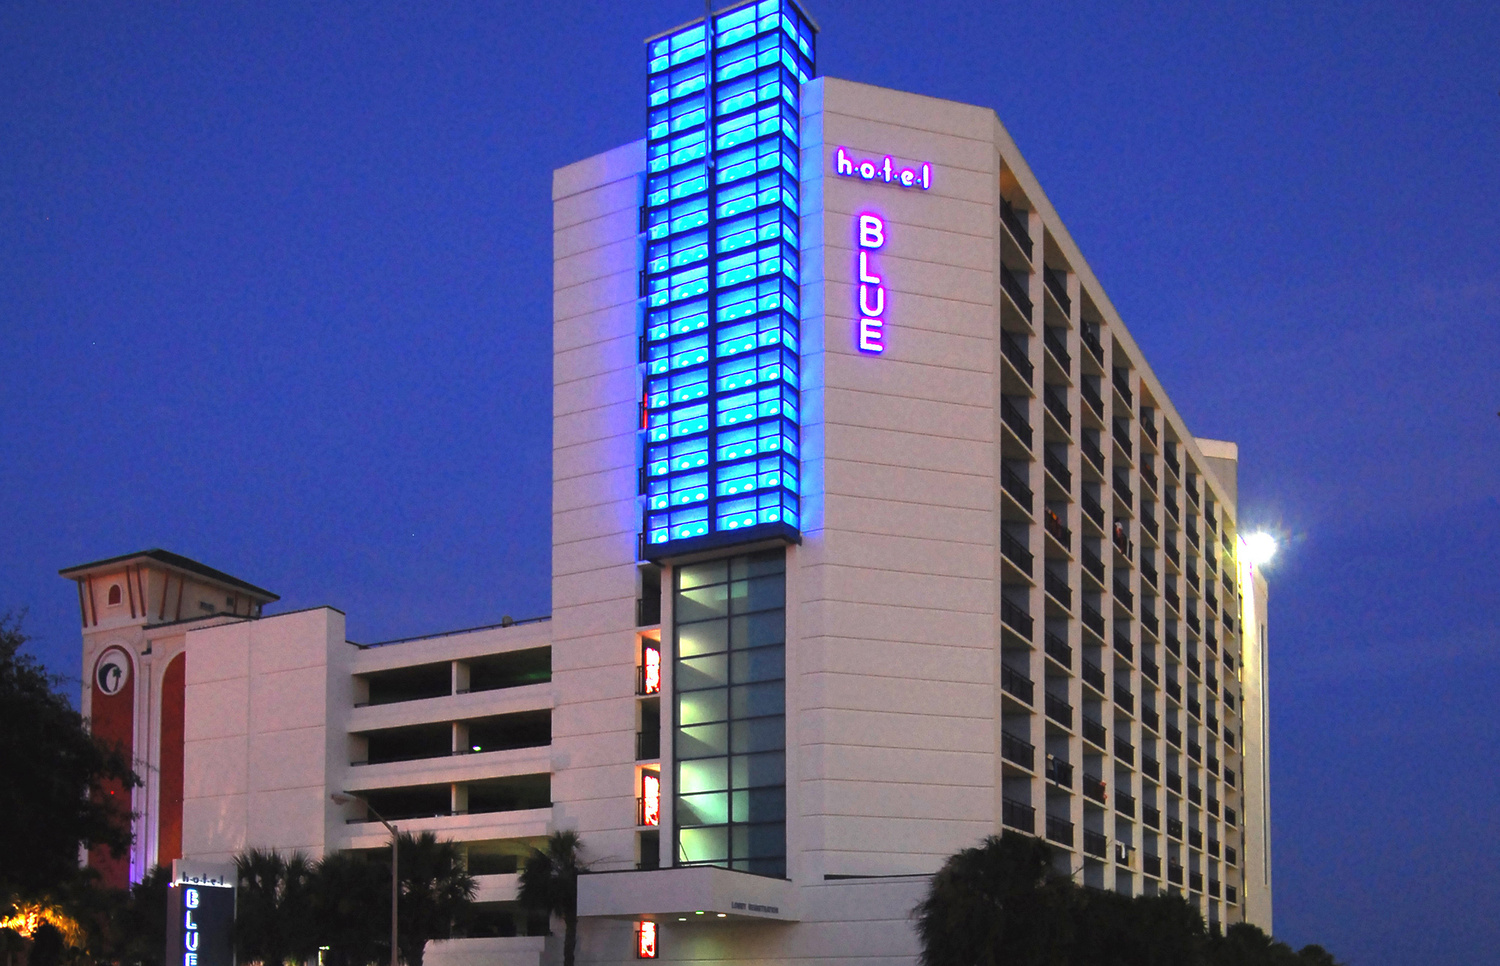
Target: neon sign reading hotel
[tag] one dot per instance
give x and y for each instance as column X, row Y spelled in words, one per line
column 882, row 170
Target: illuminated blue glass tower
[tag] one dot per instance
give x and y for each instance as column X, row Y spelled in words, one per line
column 719, row 344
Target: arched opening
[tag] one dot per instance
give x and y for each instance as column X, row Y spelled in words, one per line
column 114, row 594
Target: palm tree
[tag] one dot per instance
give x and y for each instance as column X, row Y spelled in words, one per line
column 549, row 884
column 436, row 890
column 351, row 903
column 273, row 923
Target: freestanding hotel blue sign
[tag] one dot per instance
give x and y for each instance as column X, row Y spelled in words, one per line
column 720, row 333
column 200, row 915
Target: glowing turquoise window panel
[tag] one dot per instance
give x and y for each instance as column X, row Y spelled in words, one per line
column 719, row 347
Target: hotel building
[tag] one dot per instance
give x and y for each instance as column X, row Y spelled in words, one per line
column 874, row 534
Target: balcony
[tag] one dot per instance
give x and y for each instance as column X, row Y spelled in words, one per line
column 1015, row 616
column 1148, row 424
column 1012, row 416
column 1172, row 554
column 1095, row 844
column 1091, row 396
column 1231, row 856
column 1123, row 594
column 1151, row 719
column 1149, row 622
column 1015, row 352
column 1058, row 649
column 1122, row 643
column 1195, row 839
column 1174, row 873
column 1174, row 599
column 1213, row 888
column 1093, row 620
column 1195, row 794
column 1174, row 827
column 1194, row 623
column 1017, row 751
column 1192, row 535
column 1052, row 338
column 1122, row 542
column 1057, row 284
column 1213, row 808
column 1093, row 675
column 1195, row 881
column 1150, row 817
column 1124, row 699
column 1170, row 458
column 1016, row 684
column 1018, row 815
column 1092, row 565
column 1213, row 847
column 1192, row 490
column 1016, row 290
column 1229, row 777
column 1122, row 386
column 1194, row 750
column 1094, row 788
column 1152, row 865
column 1149, row 670
column 648, row 745
column 1230, row 818
column 1012, row 483
column 1017, row 226
column 1059, row 471
column 1122, row 437
column 1058, row 407
column 1124, row 750
column 1059, row 710
column 1094, row 731
column 1059, row 772
column 1174, row 738
column 1125, row 804
column 1094, row 456
column 1058, row 587
column 1015, row 551
column 1122, row 489
column 1060, row 830
column 1150, row 767
column 1148, row 525
column 1149, row 475
column 1089, row 335
column 1174, row 690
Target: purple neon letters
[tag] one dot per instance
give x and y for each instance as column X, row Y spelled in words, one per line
column 870, row 333
column 882, row 170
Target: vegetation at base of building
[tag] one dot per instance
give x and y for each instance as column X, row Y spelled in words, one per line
column 53, row 802
column 549, row 884
column 289, row 906
column 1003, row 902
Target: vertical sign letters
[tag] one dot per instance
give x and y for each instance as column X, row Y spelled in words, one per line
column 870, row 332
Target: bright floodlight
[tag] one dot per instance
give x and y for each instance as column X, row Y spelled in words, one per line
column 1260, row 548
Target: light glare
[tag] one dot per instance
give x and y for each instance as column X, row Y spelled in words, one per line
column 1260, row 548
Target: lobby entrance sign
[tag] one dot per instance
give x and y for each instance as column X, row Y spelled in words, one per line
column 200, row 915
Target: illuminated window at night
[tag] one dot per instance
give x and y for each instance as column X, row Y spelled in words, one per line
column 650, row 798
column 650, row 669
column 730, row 713
column 645, row 940
column 720, row 337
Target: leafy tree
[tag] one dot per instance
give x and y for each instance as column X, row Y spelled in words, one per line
column 273, row 922
column 351, row 901
column 549, row 884
column 436, row 891
column 50, row 801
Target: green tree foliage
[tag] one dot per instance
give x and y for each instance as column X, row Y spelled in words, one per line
column 351, row 903
column 549, row 884
column 53, row 770
column 273, row 921
column 1001, row 904
column 436, row 892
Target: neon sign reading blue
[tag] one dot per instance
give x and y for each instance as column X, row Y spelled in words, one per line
column 870, row 333
column 882, row 170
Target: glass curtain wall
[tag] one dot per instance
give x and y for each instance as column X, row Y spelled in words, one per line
column 729, row 676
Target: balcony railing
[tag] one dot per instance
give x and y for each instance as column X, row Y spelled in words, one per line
column 1017, row 226
column 1229, row 777
column 1094, row 731
column 1058, row 407
column 1060, row 830
column 1013, row 350
column 647, row 745
column 1016, row 290
column 1149, row 475
column 1213, row 888
column 1125, row 804
column 1013, row 484
column 1148, row 619
column 1092, row 565
column 1016, row 684
column 1151, row 767
column 1194, row 750
column 1174, row 690
column 1151, row 719
column 1012, row 416
column 1171, row 460
column 1059, row 710
column 1089, row 336
column 1018, row 815
column 1195, row 839
column 1015, row 615
column 1091, row 396
column 1093, row 675
column 1174, row 827
column 1150, row 817
column 1015, row 551
column 1122, row 385
column 1057, row 284
column 1122, row 641
column 1058, row 587
column 1151, row 864
column 1124, row 750
column 1192, row 535
column 1148, row 525
column 1213, row 806
column 1213, row 847
column 1095, row 844
column 1059, row 471
column 1093, row 620
column 1124, row 698
column 1149, row 670
column 1123, row 594
column 1230, row 818
column 1148, row 423
column 1053, row 339
column 1174, row 737
column 1195, row 881
column 1059, row 771
column 1058, row 649
column 648, row 611
column 1195, row 793
column 1122, row 437
column 1094, row 788
column 1194, row 623
column 1017, row 751
column 1174, row 599
column 1174, row 873
column 1092, row 454
column 1232, row 857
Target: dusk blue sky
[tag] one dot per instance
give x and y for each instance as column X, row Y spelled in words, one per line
column 275, row 294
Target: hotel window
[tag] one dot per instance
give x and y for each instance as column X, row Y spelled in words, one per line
column 729, row 719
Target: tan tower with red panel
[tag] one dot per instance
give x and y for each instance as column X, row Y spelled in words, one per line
column 136, row 611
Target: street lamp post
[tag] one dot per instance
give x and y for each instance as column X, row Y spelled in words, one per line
column 345, row 799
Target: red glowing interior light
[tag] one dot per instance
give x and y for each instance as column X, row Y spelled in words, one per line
column 651, row 661
column 650, row 798
column 645, row 940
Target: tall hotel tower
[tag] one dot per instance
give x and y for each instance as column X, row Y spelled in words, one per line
column 874, row 534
